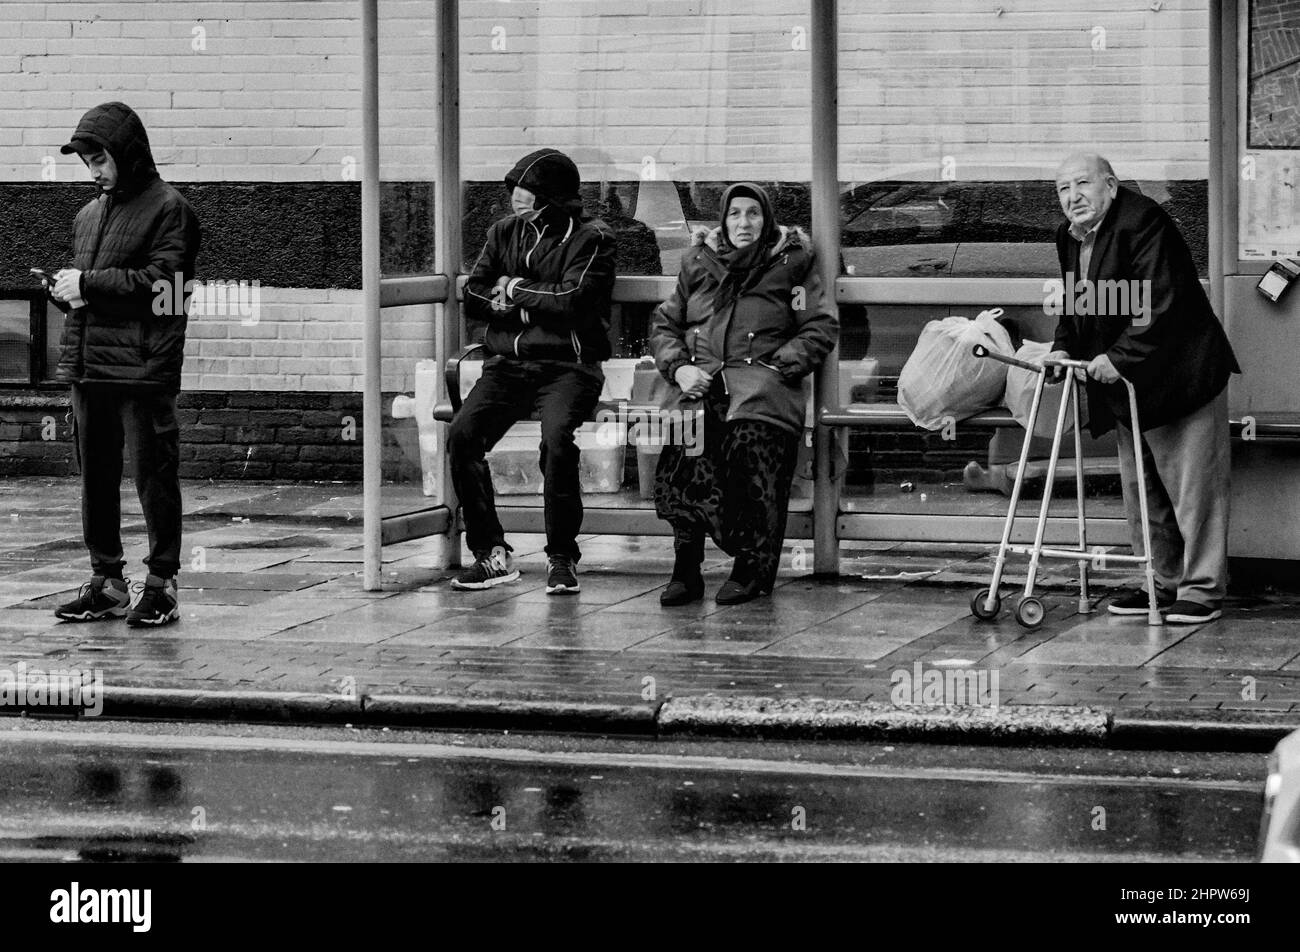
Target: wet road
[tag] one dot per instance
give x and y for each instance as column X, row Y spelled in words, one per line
column 125, row 791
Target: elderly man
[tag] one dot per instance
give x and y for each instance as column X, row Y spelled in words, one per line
column 1135, row 309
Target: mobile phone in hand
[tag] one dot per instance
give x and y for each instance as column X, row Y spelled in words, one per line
column 48, row 278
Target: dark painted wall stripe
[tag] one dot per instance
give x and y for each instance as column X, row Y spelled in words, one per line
column 308, row 234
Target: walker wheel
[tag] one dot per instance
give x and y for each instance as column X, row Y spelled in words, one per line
column 1030, row 612
column 980, row 610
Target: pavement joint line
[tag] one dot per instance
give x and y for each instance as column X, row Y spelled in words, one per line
column 687, row 763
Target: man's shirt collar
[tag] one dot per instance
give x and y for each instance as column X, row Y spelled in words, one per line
column 1079, row 235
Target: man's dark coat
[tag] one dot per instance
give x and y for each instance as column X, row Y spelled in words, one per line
column 1169, row 344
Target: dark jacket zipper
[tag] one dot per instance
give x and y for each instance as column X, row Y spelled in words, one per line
column 109, row 206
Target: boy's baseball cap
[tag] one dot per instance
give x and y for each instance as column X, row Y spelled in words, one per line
column 82, row 146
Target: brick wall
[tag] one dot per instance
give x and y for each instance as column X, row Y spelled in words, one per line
column 712, row 87
column 264, row 94
column 720, row 89
column 264, row 90
column 267, row 91
column 228, row 435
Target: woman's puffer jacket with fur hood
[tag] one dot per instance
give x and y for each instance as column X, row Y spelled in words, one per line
column 778, row 331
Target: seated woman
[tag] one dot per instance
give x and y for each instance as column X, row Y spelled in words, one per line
column 746, row 323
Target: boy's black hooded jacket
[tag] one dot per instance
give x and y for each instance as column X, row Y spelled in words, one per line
column 123, row 241
column 559, row 310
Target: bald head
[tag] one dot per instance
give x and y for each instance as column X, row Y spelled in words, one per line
column 1086, row 185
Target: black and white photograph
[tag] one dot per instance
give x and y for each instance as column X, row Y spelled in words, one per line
column 651, row 432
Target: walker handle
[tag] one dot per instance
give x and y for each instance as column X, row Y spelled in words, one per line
column 979, row 350
column 1064, row 362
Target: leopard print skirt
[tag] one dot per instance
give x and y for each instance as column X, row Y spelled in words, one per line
column 736, row 489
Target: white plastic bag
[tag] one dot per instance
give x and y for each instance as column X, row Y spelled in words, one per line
column 944, row 380
column 1020, row 393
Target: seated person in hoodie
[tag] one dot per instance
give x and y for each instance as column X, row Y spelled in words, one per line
column 133, row 251
column 745, row 325
column 542, row 284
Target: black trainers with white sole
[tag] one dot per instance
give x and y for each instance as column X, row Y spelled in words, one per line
column 98, row 599
column 489, row 569
column 562, row 576
column 156, row 604
column 1191, row 613
column 1134, row 602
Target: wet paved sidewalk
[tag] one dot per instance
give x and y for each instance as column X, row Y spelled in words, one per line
column 271, row 600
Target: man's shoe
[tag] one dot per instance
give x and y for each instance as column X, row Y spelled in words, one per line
column 1136, row 603
column 155, row 604
column 562, row 577
column 682, row 591
column 734, row 593
column 99, row 598
column 489, row 569
column 1191, row 613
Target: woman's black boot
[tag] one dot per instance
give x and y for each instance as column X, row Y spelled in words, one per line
column 745, row 584
column 687, row 583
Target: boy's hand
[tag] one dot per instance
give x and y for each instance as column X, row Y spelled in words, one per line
column 67, row 285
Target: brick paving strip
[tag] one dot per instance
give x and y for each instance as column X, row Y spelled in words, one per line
column 275, row 627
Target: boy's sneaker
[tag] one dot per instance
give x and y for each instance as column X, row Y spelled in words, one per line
column 562, row 577
column 155, row 603
column 99, row 598
column 1136, row 603
column 1191, row 613
column 489, row 568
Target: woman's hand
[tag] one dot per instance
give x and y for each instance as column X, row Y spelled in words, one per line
column 693, row 381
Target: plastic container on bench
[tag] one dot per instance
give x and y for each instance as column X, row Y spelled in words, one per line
column 647, row 461
column 432, row 434
column 859, row 381
column 513, row 462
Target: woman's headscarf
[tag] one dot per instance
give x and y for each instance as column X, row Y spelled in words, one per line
column 742, row 264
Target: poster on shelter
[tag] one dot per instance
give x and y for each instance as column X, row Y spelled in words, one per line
column 1269, row 207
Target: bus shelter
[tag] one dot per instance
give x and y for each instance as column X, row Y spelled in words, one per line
column 908, row 223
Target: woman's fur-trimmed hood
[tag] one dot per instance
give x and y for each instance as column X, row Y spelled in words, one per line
column 792, row 236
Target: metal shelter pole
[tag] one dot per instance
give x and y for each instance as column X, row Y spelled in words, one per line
column 447, row 231
column 826, row 241
column 1223, row 142
column 372, row 409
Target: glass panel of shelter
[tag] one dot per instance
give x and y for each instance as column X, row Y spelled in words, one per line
column 660, row 111
column 408, row 143
column 953, row 121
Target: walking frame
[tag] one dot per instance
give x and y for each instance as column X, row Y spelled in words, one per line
column 1030, row 611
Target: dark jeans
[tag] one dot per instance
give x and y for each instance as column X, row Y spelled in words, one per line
column 564, row 395
column 104, row 418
